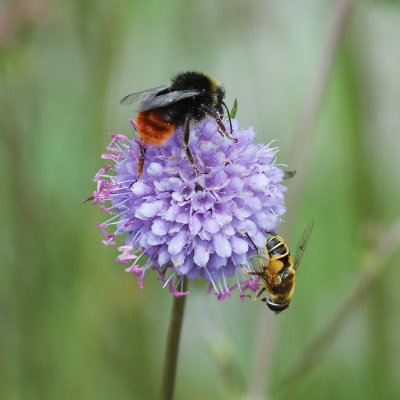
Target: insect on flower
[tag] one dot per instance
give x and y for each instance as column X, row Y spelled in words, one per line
column 185, row 225
column 277, row 271
column 190, row 97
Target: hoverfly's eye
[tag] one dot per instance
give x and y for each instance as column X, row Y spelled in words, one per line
column 277, row 307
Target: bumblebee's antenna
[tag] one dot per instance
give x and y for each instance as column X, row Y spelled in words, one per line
column 229, row 115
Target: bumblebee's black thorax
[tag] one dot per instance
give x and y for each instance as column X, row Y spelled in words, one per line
column 211, row 97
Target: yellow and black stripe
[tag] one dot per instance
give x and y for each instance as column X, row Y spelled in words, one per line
column 278, row 253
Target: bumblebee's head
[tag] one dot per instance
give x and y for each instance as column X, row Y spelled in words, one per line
column 276, row 307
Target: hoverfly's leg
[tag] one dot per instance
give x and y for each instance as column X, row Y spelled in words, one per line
column 186, row 135
column 251, row 240
column 257, row 296
column 287, row 274
column 257, row 273
column 142, row 151
column 164, row 270
column 277, row 281
column 260, row 292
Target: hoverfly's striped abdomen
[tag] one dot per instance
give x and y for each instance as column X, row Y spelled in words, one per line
column 279, row 254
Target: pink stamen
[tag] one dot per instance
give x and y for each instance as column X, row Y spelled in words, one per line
column 210, row 287
column 104, row 208
column 139, row 272
column 134, row 157
column 108, row 235
column 176, row 293
column 106, row 156
column 126, row 255
column 222, row 296
column 139, row 142
column 109, row 242
column 134, row 124
column 118, row 136
column 101, row 172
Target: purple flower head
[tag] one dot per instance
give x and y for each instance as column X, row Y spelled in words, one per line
column 184, row 224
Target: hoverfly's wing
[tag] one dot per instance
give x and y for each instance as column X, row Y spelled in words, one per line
column 167, row 99
column 302, row 243
column 260, row 262
column 144, row 96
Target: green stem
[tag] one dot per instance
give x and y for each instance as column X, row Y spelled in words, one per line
column 171, row 353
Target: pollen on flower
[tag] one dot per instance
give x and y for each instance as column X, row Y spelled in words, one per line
column 184, row 224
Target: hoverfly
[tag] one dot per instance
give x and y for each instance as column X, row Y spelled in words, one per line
column 276, row 269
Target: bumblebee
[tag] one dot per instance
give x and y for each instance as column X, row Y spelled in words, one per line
column 190, row 97
column 277, row 271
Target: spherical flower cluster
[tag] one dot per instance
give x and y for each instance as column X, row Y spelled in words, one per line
column 187, row 224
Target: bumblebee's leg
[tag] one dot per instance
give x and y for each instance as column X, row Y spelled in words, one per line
column 221, row 127
column 186, row 135
column 229, row 114
column 257, row 296
column 142, row 151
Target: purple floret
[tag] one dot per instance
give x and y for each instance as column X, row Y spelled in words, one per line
column 188, row 224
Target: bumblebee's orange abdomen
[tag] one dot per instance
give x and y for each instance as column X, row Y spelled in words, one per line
column 152, row 129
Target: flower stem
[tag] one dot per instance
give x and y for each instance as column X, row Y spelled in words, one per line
column 171, row 353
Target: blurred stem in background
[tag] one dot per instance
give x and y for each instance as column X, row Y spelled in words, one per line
column 299, row 159
column 100, row 36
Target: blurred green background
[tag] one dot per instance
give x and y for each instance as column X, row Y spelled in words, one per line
column 73, row 324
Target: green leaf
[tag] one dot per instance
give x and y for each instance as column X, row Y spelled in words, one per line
column 234, row 109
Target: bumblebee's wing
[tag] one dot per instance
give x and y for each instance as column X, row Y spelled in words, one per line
column 141, row 97
column 167, row 99
column 301, row 245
